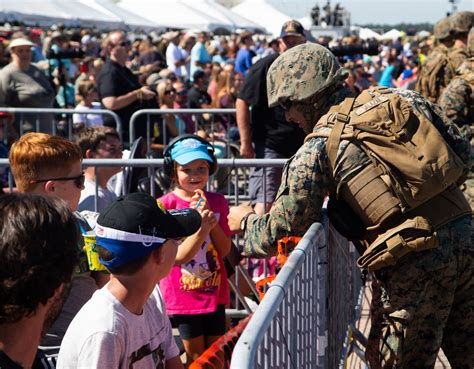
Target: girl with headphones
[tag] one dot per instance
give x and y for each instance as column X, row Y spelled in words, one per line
column 196, row 291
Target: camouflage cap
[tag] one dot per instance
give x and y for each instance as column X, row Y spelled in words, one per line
column 462, row 21
column 302, row 72
column 442, row 29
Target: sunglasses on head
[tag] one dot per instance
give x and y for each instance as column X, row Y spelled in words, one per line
column 78, row 180
column 124, row 43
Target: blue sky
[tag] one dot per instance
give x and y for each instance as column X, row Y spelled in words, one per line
column 381, row 11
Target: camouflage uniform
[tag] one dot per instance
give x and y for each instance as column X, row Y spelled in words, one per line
column 440, row 54
column 461, row 23
column 457, row 101
column 427, row 300
column 436, row 72
column 457, row 56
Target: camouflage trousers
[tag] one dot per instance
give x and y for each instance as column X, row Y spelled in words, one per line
column 426, row 302
column 469, row 192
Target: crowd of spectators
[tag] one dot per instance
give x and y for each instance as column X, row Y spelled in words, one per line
column 122, row 72
column 86, row 70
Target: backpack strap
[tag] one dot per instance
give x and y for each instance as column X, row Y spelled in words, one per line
column 341, row 118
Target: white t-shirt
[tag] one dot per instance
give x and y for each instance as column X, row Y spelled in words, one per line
column 173, row 53
column 104, row 334
column 88, row 119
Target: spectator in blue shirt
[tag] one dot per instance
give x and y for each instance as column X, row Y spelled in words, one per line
column 199, row 54
column 243, row 59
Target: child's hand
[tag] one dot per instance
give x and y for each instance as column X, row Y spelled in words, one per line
column 208, row 220
column 199, row 201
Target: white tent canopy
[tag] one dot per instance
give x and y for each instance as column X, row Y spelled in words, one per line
column 129, row 18
column 393, row 34
column 173, row 14
column 212, row 8
column 46, row 12
column 262, row 13
column 367, row 33
column 306, row 22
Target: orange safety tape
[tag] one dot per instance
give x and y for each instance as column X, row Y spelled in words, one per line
column 285, row 246
column 220, row 351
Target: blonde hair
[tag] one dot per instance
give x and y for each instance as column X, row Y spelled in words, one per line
column 224, row 87
column 161, row 88
column 38, row 155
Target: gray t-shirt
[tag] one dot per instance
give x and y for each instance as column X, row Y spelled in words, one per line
column 87, row 200
column 27, row 89
column 104, row 334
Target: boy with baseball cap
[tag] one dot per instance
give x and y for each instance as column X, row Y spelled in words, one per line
column 124, row 324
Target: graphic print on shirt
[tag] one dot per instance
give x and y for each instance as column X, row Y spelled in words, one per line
column 202, row 272
column 157, row 354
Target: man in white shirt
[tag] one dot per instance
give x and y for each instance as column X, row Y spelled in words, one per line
column 174, row 56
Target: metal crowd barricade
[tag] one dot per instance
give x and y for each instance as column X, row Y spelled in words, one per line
column 52, row 111
column 194, row 112
column 297, row 324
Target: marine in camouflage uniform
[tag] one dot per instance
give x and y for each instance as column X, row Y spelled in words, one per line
column 457, row 101
column 437, row 58
column 427, row 299
column 461, row 23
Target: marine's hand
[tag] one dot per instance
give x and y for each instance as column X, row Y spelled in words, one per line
column 236, row 213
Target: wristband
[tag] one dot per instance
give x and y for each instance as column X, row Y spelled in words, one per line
column 139, row 95
column 243, row 221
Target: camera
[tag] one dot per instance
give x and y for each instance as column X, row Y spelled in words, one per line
column 369, row 48
column 67, row 54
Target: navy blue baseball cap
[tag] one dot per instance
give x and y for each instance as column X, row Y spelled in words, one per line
column 292, row 28
column 134, row 225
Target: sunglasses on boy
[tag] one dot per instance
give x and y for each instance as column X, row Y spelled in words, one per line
column 78, row 180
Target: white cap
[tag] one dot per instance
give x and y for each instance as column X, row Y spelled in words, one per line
column 20, row 42
column 86, row 39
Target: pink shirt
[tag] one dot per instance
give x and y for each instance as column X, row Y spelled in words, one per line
column 198, row 286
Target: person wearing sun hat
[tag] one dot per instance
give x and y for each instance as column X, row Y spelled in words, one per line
column 24, row 85
column 125, row 323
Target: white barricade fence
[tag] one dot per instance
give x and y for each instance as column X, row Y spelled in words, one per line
column 303, row 319
column 33, row 115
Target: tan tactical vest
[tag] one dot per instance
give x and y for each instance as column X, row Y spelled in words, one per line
column 434, row 75
column 410, row 190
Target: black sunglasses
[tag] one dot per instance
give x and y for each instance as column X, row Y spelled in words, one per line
column 78, row 180
column 182, row 93
column 167, row 92
column 124, row 43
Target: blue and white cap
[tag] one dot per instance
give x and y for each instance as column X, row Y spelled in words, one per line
column 188, row 150
column 134, row 225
